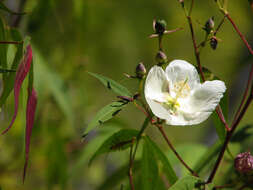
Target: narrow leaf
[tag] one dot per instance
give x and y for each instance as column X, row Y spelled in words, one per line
column 3, row 47
column 186, row 183
column 120, row 140
column 22, row 72
column 105, row 114
column 3, row 7
column 112, row 85
column 149, row 168
column 10, row 79
column 30, row 114
column 169, row 171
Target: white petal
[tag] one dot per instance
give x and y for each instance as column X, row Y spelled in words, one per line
column 154, row 85
column 207, row 96
column 180, row 70
column 200, row 104
column 158, row 110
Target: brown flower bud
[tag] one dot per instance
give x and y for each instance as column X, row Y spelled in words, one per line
column 161, row 57
column 213, row 42
column 243, row 162
column 140, row 71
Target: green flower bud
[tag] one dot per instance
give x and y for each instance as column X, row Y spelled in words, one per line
column 140, row 71
column 159, row 26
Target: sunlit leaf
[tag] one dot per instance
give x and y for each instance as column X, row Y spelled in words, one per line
column 112, row 85
column 168, row 170
column 149, row 168
column 103, row 115
column 120, row 140
column 3, row 7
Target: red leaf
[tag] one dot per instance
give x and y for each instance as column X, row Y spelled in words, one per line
column 30, row 114
column 22, row 72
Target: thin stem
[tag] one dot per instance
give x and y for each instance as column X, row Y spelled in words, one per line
column 130, row 171
column 219, row 26
column 190, row 11
column 160, row 127
column 245, row 94
column 160, row 42
column 11, row 42
column 240, row 34
column 228, row 137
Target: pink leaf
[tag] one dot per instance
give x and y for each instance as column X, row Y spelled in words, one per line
column 22, row 72
column 30, row 114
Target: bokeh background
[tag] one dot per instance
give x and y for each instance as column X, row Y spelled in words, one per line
column 108, row 37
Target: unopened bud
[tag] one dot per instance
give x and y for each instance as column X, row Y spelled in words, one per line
column 213, row 42
column 161, row 57
column 244, row 162
column 209, row 26
column 159, row 26
column 140, row 71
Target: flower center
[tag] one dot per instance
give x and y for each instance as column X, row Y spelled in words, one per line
column 180, row 89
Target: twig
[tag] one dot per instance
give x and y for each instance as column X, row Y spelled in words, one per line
column 11, row 42
column 160, row 127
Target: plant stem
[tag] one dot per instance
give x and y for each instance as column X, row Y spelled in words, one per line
column 228, row 137
column 130, row 171
column 190, row 11
column 10, row 42
column 160, row 127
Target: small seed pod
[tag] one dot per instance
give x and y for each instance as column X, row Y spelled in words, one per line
column 243, row 162
column 213, row 42
column 159, row 26
column 209, row 26
column 161, row 57
column 140, row 71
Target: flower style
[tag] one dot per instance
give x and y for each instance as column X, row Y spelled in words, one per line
column 177, row 96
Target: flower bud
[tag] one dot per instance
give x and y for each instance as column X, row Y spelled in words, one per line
column 213, row 42
column 209, row 26
column 244, row 162
column 161, row 57
column 140, row 71
column 159, row 26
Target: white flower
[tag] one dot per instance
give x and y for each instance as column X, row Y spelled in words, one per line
column 177, row 96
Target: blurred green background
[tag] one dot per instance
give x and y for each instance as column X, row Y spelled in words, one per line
column 108, row 37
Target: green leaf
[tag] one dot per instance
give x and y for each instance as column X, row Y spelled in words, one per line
column 118, row 176
column 120, row 140
column 105, row 114
column 168, row 170
column 112, row 85
column 3, row 7
column 242, row 134
column 149, row 168
column 186, row 183
column 10, row 78
column 219, row 126
column 207, row 157
column 47, row 79
column 3, row 47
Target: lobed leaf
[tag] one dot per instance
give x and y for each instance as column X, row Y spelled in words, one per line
column 112, row 85
column 120, row 140
column 105, row 114
column 168, row 169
